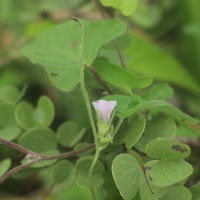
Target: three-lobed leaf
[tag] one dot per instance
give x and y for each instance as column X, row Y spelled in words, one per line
column 168, row 167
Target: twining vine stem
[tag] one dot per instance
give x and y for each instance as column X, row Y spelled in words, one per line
column 87, row 101
column 100, row 9
column 102, row 82
column 104, row 16
column 88, row 106
column 36, row 157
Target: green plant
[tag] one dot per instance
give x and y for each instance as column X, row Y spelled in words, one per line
column 131, row 135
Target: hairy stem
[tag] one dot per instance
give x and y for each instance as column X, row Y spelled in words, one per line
column 121, row 58
column 87, row 101
column 97, row 153
column 88, row 105
column 94, row 163
column 17, row 147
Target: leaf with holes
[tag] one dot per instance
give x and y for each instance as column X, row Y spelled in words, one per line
column 63, row 49
column 165, row 149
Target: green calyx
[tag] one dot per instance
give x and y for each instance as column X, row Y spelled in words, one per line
column 105, row 130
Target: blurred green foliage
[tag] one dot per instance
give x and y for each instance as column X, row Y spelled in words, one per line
column 163, row 43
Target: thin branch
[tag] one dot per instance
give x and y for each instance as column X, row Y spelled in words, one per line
column 121, row 58
column 145, row 176
column 93, row 193
column 100, row 9
column 17, row 147
column 68, row 154
column 101, row 81
column 17, row 169
column 34, row 160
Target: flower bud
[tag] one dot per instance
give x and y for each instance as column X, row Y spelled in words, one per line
column 104, row 111
column 104, row 108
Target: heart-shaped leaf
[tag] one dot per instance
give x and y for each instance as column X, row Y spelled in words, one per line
column 42, row 116
column 63, row 49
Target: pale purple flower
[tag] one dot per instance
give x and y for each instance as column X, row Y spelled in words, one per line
column 105, row 108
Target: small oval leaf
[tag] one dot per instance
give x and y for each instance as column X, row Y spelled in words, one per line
column 126, row 174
